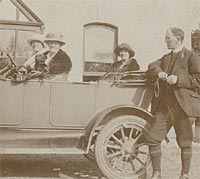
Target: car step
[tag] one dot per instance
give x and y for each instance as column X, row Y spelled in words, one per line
column 41, row 151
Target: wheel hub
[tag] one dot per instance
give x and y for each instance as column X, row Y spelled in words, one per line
column 129, row 148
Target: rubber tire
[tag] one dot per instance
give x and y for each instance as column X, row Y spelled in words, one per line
column 99, row 145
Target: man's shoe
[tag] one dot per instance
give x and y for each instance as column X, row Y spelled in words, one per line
column 184, row 176
column 156, row 175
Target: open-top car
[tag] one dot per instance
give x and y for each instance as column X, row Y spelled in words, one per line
column 103, row 120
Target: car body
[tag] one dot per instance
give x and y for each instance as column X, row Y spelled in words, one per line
column 56, row 117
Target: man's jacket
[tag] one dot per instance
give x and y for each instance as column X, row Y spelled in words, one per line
column 187, row 88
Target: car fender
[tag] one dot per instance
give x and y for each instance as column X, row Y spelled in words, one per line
column 107, row 114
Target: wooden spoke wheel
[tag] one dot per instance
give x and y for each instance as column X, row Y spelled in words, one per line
column 119, row 150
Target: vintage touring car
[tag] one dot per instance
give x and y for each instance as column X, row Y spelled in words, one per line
column 103, row 120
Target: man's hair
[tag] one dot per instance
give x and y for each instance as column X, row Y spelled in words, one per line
column 179, row 33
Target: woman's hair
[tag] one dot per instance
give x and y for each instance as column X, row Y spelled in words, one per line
column 178, row 33
column 37, row 41
column 126, row 47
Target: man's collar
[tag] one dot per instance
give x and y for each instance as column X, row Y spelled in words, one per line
column 178, row 49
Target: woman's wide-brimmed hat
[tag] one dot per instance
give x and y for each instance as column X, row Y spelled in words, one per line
column 126, row 47
column 54, row 37
column 36, row 37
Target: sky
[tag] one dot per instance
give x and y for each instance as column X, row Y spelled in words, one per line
column 141, row 23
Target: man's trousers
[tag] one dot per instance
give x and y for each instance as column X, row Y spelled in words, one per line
column 164, row 120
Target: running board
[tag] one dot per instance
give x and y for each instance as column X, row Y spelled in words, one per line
column 41, row 151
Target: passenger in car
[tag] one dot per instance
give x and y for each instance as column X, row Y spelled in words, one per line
column 36, row 41
column 127, row 62
column 58, row 62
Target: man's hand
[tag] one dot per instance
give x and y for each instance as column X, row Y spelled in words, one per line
column 172, row 79
column 162, row 75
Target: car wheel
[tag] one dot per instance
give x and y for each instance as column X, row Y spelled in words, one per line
column 120, row 153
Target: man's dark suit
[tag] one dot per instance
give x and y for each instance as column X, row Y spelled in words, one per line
column 187, row 89
column 175, row 105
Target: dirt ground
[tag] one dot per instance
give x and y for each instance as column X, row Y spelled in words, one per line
column 78, row 167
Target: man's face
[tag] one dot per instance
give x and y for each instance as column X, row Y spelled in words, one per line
column 172, row 41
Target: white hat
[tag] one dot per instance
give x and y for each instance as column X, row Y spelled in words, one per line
column 36, row 37
column 55, row 38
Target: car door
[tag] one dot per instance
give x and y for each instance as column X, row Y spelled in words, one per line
column 72, row 104
column 36, row 104
column 11, row 103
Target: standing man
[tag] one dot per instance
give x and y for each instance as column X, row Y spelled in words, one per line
column 176, row 101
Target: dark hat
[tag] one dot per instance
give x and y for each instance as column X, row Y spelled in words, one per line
column 126, row 47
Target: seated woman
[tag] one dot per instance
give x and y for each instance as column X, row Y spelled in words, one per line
column 127, row 62
column 36, row 41
column 58, row 62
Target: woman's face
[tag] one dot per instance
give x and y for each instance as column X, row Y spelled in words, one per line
column 54, row 46
column 124, row 54
column 36, row 45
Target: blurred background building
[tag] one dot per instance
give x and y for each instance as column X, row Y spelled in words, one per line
column 92, row 29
